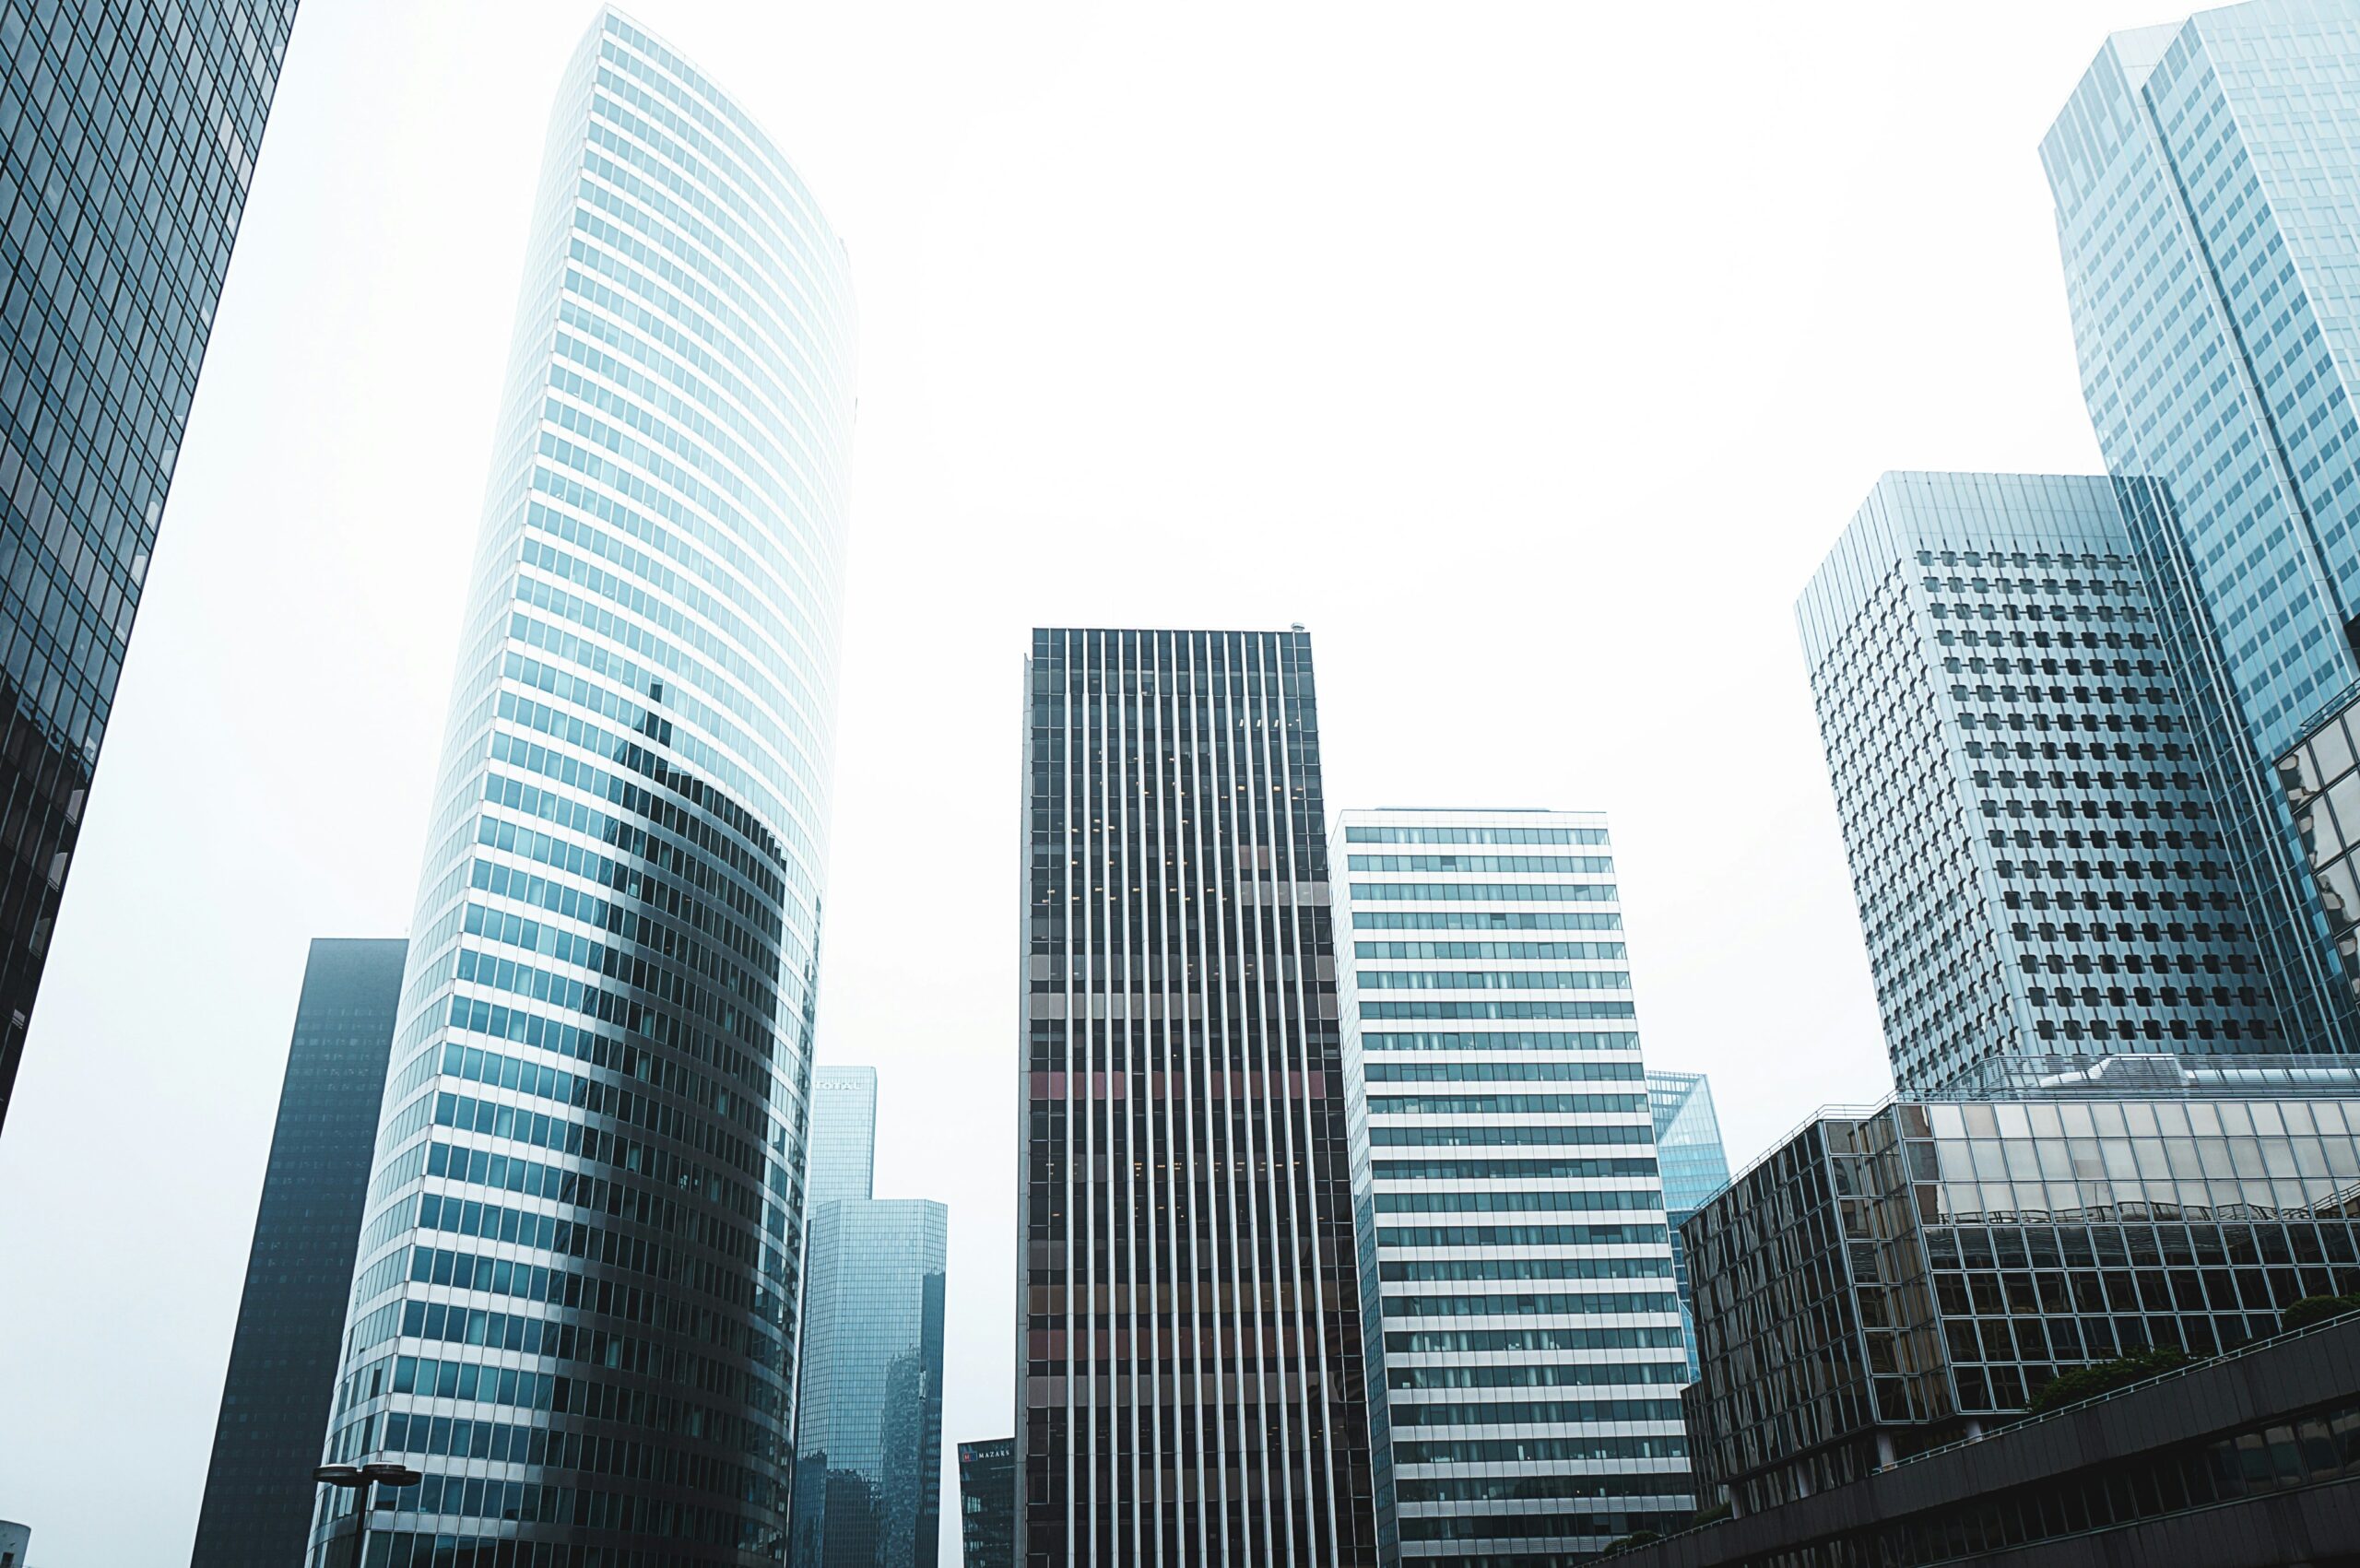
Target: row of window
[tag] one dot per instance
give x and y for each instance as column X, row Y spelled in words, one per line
column 1501, row 1104
column 1503, row 1040
column 1483, row 919
column 1485, row 892
column 1504, row 1072
column 1487, row 949
column 1493, row 980
column 1413, row 1270
column 1358, row 833
column 1483, row 1136
column 1517, row 1235
column 1534, row 1412
column 1540, row 1374
column 1494, row 1200
column 1550, row 864
column 1497, row 1009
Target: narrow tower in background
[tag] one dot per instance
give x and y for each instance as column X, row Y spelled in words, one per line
column 1189, row 1384
column 1517, row 1286
column 127, row 140
column 290, row 1320
column 2036, row 845
column 1696, row 1166
column 868, row 1433
column 574, row 1308
column 2205, row 174
column 843, row 1135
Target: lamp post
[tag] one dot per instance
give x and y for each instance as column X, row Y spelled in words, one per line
column 364, row 1478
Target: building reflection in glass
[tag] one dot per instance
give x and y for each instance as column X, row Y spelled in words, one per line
column 868, row 1440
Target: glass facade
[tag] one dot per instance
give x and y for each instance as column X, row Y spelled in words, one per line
column 576, row 1297
column 1688, row 1148
column 2036, row 846
column 843, row 1135
column 2224, row 1462
column 1891, row 1279
column 1517, row 1283
column 987, row 1504
column 291, row 1319
column 2206, row 176
column 1189, row 1383
column 868, row 1433
column 868, row 1438
column 127, row 140
column 2321, row 778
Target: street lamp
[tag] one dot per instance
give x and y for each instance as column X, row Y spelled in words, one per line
column 364, row 1478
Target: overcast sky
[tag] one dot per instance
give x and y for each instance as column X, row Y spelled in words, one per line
column 1531, row 355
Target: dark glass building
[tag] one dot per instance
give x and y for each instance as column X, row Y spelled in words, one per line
column 1189, row 1385
column 987, row 1504
column 1891, row 1279
column 129, row 135
column 869, row 1434
column 283, row 1362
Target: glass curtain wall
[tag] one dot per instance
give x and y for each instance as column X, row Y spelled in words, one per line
column 575, row 1305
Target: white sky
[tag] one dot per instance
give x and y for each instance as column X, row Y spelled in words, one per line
column 1531, row 355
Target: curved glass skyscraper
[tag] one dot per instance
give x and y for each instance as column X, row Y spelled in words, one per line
column 574, row 1299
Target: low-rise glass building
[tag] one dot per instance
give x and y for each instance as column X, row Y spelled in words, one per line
column 2248, row 1460
column 987, row 1503
column 1895, row 1278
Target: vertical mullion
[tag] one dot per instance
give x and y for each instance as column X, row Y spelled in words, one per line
column 1075, row 1132
column 1243, row 870
column 1309, row 1319
column 1236, row 1140
column 1204, row 1234
column 1104, row 1497
column 1121, row 926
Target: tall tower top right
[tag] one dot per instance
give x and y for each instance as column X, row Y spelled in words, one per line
column 2206, row 178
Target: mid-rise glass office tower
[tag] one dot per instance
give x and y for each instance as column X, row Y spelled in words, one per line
column 1516, row 1277
column 2206, row 175
column 1189, row 1384
column 2036, row 845
column 1688, row 1147
column 574, row 1307
column 127, row 140
column 290, row 1320
column 868, row 1433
